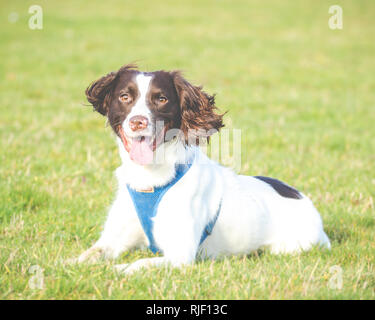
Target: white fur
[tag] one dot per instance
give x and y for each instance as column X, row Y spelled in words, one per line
column 140, row 108
column 253, row 215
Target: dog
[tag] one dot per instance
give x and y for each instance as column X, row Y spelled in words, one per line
column 186, row 206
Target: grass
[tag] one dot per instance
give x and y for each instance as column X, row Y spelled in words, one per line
column 302, row 94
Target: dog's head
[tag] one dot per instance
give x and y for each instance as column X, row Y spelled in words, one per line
column 146, row 109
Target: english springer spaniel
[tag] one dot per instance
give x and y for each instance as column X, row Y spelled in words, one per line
column 184, row 205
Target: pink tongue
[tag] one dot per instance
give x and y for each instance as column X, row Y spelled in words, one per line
column 141, row 152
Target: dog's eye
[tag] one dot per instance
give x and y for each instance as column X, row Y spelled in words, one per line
column 162, row 99
column 125, row 98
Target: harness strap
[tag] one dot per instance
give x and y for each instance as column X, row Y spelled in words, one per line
column 147, row 203
column 208, row 230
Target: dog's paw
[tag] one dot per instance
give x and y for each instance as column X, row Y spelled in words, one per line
column 90, row 256
column 71, row 261
column 121, row 268
column 130, row 268
column 142, row 264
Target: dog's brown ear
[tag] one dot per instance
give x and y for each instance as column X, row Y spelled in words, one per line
column 198, row 116
column 99, row 92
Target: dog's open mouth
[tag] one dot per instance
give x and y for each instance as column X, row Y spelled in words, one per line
column 141, row 148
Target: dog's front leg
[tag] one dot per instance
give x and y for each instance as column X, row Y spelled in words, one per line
column 122, row 231
column 176, row 235
column 175, row 256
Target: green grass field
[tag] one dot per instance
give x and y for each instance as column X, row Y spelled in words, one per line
column 302, row 94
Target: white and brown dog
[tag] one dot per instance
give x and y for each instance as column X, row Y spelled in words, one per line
column 187, row 205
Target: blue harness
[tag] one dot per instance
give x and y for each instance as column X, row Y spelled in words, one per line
column 146, row 204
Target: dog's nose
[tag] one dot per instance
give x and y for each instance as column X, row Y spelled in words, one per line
column 138, row 123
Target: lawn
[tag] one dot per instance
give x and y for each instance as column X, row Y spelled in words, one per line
column 302, row 94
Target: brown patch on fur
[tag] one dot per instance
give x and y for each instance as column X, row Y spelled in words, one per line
column 197, row 110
